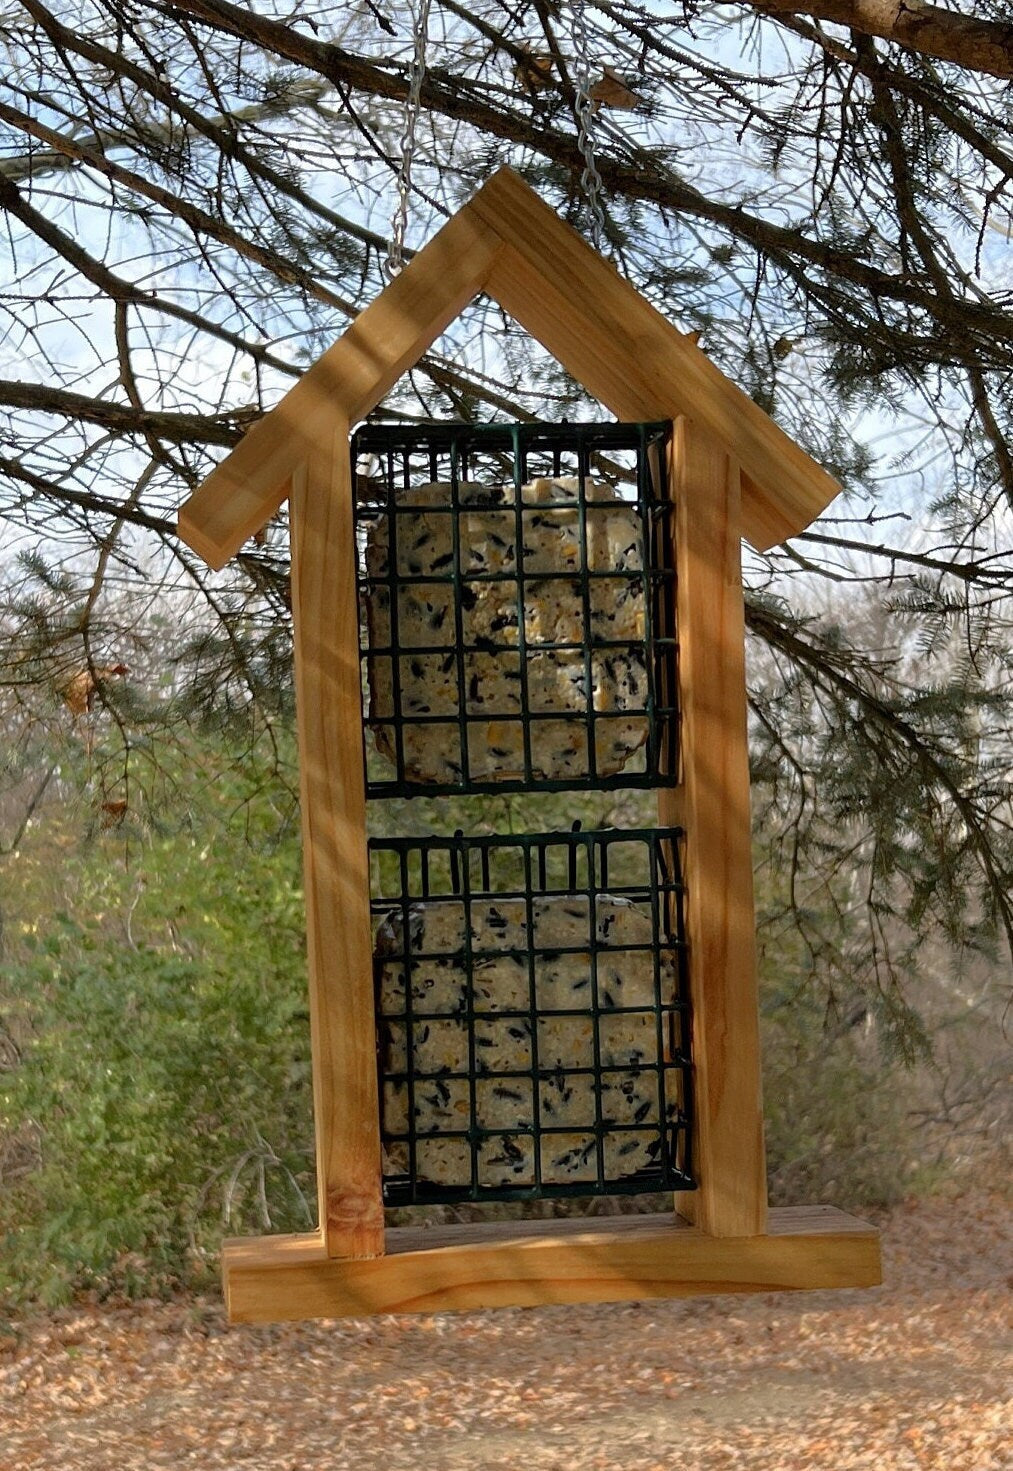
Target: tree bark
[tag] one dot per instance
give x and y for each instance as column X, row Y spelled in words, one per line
column 978, row 45
column 177, row 428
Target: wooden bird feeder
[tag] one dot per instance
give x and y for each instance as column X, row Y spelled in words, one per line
column 709, row 467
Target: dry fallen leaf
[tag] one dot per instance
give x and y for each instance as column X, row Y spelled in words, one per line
column 613, row 90
column 535, row 72
column 80, row 690
column 912, row 1376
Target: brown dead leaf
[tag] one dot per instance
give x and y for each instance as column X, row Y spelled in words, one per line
column 79, row 691
column 536, row 72
column 613, row 90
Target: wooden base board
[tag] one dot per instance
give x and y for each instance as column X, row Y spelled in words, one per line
column 533, row 1263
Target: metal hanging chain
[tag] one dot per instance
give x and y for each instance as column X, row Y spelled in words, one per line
column 399, row 220
column 590, row 179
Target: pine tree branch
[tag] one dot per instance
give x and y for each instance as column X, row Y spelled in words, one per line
column 888, row 120
column 267, row 573
column 163, row 135
column 115, row 287
column 925, row 92
column 197, row 219
column 645, row 178
column 979, row 45
column 221, row 132
column 175, row 428
column 827, row 671
column 11, row 847
column 55, row 494
column 979, row 572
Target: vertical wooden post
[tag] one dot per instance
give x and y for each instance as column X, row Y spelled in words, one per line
column 335, row 858
column 728, row 1116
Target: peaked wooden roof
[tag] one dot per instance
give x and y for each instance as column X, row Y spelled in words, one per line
column 507, row 243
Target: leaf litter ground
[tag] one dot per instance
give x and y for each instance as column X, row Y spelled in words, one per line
column 915, row 1374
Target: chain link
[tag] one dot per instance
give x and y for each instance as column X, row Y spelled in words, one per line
column 590, row 179
column 399, row 220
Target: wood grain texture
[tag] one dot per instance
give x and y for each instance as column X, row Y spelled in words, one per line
column 720, row 921
column 536, row 1263
column 508, row 242
column 335, row 860
column 641, row 367
column 351, row 377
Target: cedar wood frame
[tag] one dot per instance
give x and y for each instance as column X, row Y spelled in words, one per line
column 733, row 473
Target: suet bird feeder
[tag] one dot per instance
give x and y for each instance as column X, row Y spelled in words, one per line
column 513, row 1016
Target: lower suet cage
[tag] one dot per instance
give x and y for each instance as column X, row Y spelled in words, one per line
column 532, row 1019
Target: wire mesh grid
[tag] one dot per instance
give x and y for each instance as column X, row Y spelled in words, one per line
column 516, row 606
column 531, row 1014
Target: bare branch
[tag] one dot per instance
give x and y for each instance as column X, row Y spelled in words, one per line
column 176, row 428
column 947, row 35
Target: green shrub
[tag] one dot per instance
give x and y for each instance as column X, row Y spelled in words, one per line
column 837, row 1125
column 164, row 1064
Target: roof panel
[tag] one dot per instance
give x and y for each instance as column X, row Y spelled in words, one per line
column 615, row 343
